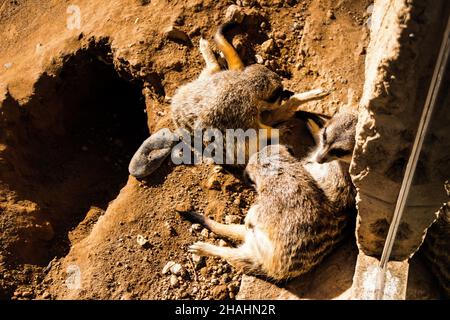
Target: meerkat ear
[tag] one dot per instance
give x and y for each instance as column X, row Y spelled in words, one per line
column 233, row 60
column 314, row 122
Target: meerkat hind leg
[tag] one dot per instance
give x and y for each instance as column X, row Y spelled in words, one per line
column 231, row 231
column 212, row 66
column 239, row 257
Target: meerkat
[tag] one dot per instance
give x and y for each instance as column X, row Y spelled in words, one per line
column 220, row 99
column 297, row 219
column 336, row 140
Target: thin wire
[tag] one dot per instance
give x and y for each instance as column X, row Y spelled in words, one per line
column 413, row 159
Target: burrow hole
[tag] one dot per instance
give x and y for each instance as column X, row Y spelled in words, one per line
column 74, row 141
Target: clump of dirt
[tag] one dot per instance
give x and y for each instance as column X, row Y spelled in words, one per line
column 73, row 114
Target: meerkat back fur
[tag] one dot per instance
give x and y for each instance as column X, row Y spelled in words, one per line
column 296, row 220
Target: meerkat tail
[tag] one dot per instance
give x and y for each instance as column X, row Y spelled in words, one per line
column 212, row 66
column 233, row 60
column 231, row 231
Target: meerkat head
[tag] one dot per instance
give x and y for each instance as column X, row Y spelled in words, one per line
column 265, row 86
column 337, row 138
column 268, row 162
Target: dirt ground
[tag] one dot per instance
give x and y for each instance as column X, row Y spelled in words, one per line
column 76, row 104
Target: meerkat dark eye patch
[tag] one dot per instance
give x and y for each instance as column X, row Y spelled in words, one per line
column 337, row 152
column 276, row 94
column 324, row 134
column 286, row 94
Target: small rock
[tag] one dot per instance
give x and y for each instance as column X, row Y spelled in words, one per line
column 196, row 227
column 225, row 278
column 46, row 295
column 8, row 65
column 167, row 267
column 330, row 15
column 259, row 59
column 222, row 243
column 141, row 240
column 205, row 233
column 176, row 34
column 174, row 282
column 27, row 294
column 198, row 261
column 234, row 14
column 194, row 290
column 177, row 269
column 220, row 292
column 268, row 46
column 126, row 296
column 185, row 206
column 214, row 281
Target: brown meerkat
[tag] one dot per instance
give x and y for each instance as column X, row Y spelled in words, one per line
column 219, row 99
column 297, row 219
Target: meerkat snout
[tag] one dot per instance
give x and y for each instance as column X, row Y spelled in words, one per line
column 337, row 138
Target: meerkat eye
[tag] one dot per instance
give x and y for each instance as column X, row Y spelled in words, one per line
column 275, row 95
column 338, row 152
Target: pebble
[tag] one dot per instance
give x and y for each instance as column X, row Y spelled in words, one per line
column 183, row 206
column 259, row 59
column 330, row 15
column 167, row 267
column 176, row 34
column 46, row 295
column 220, row 292
column 205, row 233
column 198, row 261
column 268, row 46
column 234, row 14
column 196, row 227
column 174, row 282
column 225, row 278
column 222, row 243
column 177, row 269
column 141, row 240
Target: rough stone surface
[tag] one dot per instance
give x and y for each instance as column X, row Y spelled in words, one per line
column 399, row 64
column 366, row 273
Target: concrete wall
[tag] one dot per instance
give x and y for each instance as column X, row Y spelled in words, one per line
column 405, row 39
